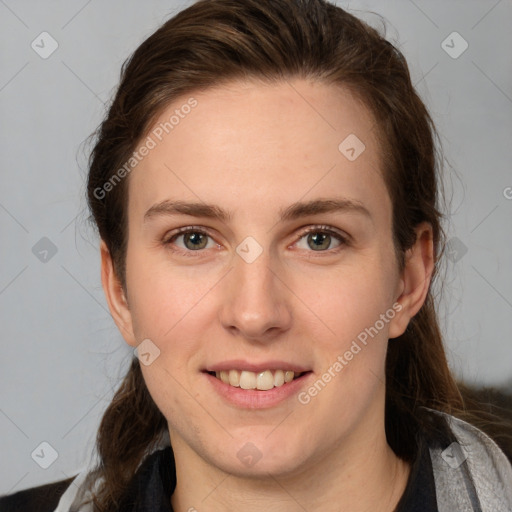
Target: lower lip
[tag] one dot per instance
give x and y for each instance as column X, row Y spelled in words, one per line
column 255, row 399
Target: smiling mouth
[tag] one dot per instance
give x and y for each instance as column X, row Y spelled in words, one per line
column 262, row 381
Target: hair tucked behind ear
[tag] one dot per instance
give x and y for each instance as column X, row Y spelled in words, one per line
column 415, row 367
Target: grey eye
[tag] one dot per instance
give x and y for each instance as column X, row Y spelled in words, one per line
column 195, row 240
column 319, row 241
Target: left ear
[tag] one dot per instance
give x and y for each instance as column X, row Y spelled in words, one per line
column 415, row 279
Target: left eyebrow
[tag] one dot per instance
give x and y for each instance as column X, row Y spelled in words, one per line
column 292, row 212
column 318, row 206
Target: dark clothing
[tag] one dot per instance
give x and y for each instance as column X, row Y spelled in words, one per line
column 420, row 493
column 43, row 498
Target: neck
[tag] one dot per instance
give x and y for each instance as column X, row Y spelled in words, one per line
column 368, row 476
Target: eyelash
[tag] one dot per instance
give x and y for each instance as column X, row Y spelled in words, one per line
column 344, row 240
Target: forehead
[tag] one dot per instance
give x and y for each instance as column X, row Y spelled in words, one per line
column 247, row 144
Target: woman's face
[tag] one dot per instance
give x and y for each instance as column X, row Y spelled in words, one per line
column 288, row 265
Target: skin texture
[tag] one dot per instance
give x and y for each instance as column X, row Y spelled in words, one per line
column 253, row 150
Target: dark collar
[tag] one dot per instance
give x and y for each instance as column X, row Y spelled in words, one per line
column 420, row 492
column 155, row 481
column 153, row 484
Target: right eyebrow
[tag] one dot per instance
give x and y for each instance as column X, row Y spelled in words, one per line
column 169, row 208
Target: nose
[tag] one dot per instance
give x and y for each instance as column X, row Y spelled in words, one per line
column 256, row 302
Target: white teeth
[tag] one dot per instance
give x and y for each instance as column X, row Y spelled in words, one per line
column 278, row 378
column 262, row 381
column 265, row 380
column 234, row 378
column 247, row 380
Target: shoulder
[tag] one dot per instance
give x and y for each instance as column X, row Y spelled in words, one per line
column 472, row 469
column 481, row 451
column 43, row 498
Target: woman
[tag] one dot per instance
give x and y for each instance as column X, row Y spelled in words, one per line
column 289, row 354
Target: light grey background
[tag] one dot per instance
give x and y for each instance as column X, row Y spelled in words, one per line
column 62, row 356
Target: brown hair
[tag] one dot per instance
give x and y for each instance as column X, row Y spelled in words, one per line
column 215, row 41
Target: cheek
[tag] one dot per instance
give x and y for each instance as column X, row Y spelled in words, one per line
column 351, row 343
column 164, row 299
column 355, row 306
column 173, row 396
column 350, row 300
column 172, row 307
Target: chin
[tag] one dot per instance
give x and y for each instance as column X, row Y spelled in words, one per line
column 257, row 456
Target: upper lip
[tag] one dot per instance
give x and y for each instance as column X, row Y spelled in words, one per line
column 239, row 364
